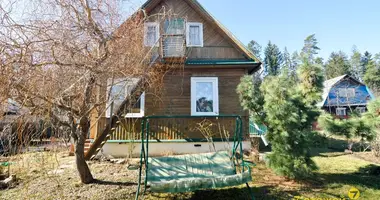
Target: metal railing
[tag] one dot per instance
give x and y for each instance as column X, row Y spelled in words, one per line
column 148, row 132
column 257, row 129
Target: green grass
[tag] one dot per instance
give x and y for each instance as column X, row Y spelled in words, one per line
column 336, row 175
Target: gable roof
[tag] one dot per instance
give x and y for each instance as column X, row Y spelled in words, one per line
column 151, row 4
column 328, row 84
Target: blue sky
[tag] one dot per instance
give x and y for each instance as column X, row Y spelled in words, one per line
column 338, row 24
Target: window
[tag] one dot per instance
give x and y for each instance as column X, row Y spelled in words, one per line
column 194, row 34
column 175, row 26
column 173, row 38
column 204, row 96
column 346, row 92
column 360, row 109
column 152, row 34
column 341, row 111
column 116, row 94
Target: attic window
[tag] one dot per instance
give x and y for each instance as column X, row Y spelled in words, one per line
column 151, row 34
column 194, row 34
column 346, row 92
column 120, row 89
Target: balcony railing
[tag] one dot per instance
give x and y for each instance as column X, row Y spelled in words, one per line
column 178, row 128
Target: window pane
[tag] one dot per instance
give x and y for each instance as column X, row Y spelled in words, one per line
column 342, row 92
column 175, row 26
column 194, row 32
column 116, row 97
column 117, row 93
column 151, row 35
column 204, row 97
column 135, row 106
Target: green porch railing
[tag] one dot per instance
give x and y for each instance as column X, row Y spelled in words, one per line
column 257, row 129
column 177, row 129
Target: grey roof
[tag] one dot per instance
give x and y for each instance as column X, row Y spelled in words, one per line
column 327, row 85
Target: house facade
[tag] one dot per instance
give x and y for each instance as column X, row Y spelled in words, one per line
column 214, row 61
column 343, row 95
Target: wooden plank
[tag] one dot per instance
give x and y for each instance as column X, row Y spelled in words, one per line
column 216, row 44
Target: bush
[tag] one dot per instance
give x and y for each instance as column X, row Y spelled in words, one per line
column 355, row 126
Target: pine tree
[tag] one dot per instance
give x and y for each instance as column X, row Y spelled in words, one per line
column 367, row 57
column 251, row 97
column 372, row 75
column 295, row 60
column 289, row 65
column 255, row 48
column 290, row 111
column 273, row 59
column 337, row 65
column 356, row 64
column 310, row 47
column 288, row 108
column 319, row 61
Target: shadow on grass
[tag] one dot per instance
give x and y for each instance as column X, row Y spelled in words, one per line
column 116, row 183
column 367, row 176
column 332, row 144
column 241, row 193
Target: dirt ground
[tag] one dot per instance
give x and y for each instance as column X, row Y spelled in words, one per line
column 52, row 175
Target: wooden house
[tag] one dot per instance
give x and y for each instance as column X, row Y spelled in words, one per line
column 345, row 94
column 214, row 62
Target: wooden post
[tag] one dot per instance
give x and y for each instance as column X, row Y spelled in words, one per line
column 94, row 124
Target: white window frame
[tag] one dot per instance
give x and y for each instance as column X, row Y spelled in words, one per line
column 360, row 109
column 337, row 111
column 142, row 109
column 109, row 102
column 214, row 81
column 157, row 26
column 346, row 92
column 188, row 24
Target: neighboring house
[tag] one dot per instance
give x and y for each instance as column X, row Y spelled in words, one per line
column 343, row 95
column 214, row 63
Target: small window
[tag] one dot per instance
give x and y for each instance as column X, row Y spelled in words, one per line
column 204, row 96
column 118, row 92
column 360, row 109
column 152, row 34
column 341, row 111
column 346, row 92
column 194, row 34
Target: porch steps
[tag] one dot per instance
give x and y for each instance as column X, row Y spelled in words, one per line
column 87, row 146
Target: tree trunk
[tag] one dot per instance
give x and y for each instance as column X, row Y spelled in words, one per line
column 82, row 167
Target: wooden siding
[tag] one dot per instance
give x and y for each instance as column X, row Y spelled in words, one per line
column 215, row 52
column 176, row 96
column 216, row 45
column 176, row 100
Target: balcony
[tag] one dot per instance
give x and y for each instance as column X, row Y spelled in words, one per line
column 173, row 39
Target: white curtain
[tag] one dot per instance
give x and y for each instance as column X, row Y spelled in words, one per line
column 194, row 35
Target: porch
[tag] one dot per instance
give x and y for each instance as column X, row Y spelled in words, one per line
column 171, row 135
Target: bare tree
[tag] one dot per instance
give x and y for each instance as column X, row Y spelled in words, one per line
column 57, row 55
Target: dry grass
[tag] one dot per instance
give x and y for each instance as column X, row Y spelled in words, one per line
column 51, row 175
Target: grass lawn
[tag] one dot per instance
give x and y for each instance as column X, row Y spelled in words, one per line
column 51, row 175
